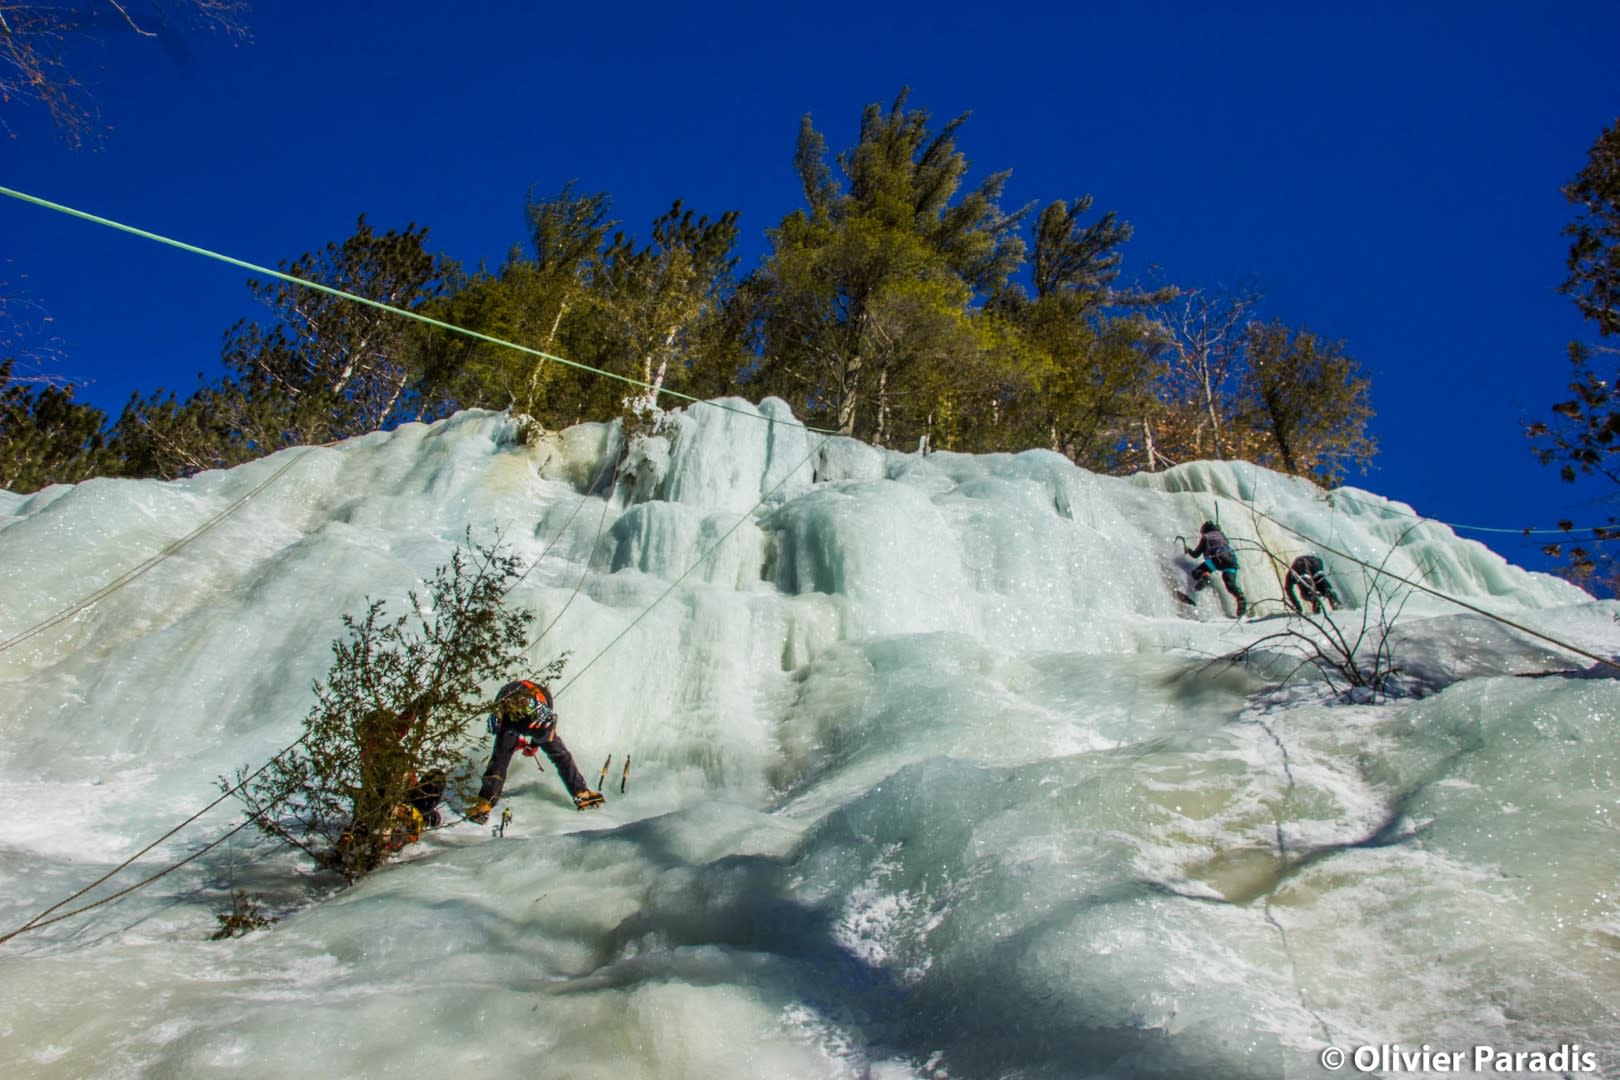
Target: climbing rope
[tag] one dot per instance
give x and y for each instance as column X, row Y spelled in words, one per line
column 584, row 570
column 1389, row 508
column 40, row 923
column 46, row 918
column 83, row 215
column 40, row 920
column 607, row 462
column 1385, row 572
column 169, row 551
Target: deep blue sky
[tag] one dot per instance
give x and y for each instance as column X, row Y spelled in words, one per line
column 1387, row 175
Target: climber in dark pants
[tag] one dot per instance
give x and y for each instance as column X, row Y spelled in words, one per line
column 1310, row 579
column 524, row 717
column 1218, row 557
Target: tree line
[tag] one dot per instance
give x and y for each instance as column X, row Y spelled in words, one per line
column 899, row 305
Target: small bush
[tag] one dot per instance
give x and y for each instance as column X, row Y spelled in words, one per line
column 1352, row 653
column 394, row 713
column 246, row 915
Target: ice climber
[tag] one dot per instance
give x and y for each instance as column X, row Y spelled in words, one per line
column 1218, row 556
column 1307, row 575
column 525, row 717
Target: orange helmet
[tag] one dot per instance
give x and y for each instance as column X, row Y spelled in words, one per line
column 525, row 700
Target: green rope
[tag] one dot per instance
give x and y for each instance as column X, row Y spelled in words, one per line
column 477, row 336
column 84, row 215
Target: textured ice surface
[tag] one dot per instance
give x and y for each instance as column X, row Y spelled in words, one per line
column 932, row 774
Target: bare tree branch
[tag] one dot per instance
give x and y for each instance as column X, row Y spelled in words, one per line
column 34, row 65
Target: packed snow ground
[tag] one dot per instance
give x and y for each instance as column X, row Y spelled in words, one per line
column 933, row 776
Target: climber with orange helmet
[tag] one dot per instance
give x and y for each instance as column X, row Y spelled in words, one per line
column 526, row 717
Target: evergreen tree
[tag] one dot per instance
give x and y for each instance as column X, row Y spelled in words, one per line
column 1091, row 374
column 48, row 438
column 160, row 437
column 1094, row 383
column 528, row 302
column 866, row 294
column 324, row 368
column 324, row 354
column 655, row 313
column 1077, row 261
column 657, row 298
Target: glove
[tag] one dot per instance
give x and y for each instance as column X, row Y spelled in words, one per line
column 587, row 799
column 478, row 813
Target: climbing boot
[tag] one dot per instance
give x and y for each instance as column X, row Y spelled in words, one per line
column 478, row 812
column 587, row 799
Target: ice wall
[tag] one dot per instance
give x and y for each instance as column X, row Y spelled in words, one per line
column 933, row 777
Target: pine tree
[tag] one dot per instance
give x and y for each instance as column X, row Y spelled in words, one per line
column 48, row 438
column 656, row 299
column 660, row 313
column 1093, row 385
column 1091, row 374
column 324, row 368
column 160, row 437
column 866, row 294
column 532, row 300
column 325, row 360
column 1075, row 260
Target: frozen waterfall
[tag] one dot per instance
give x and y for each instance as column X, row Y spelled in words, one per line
column 933, row 775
